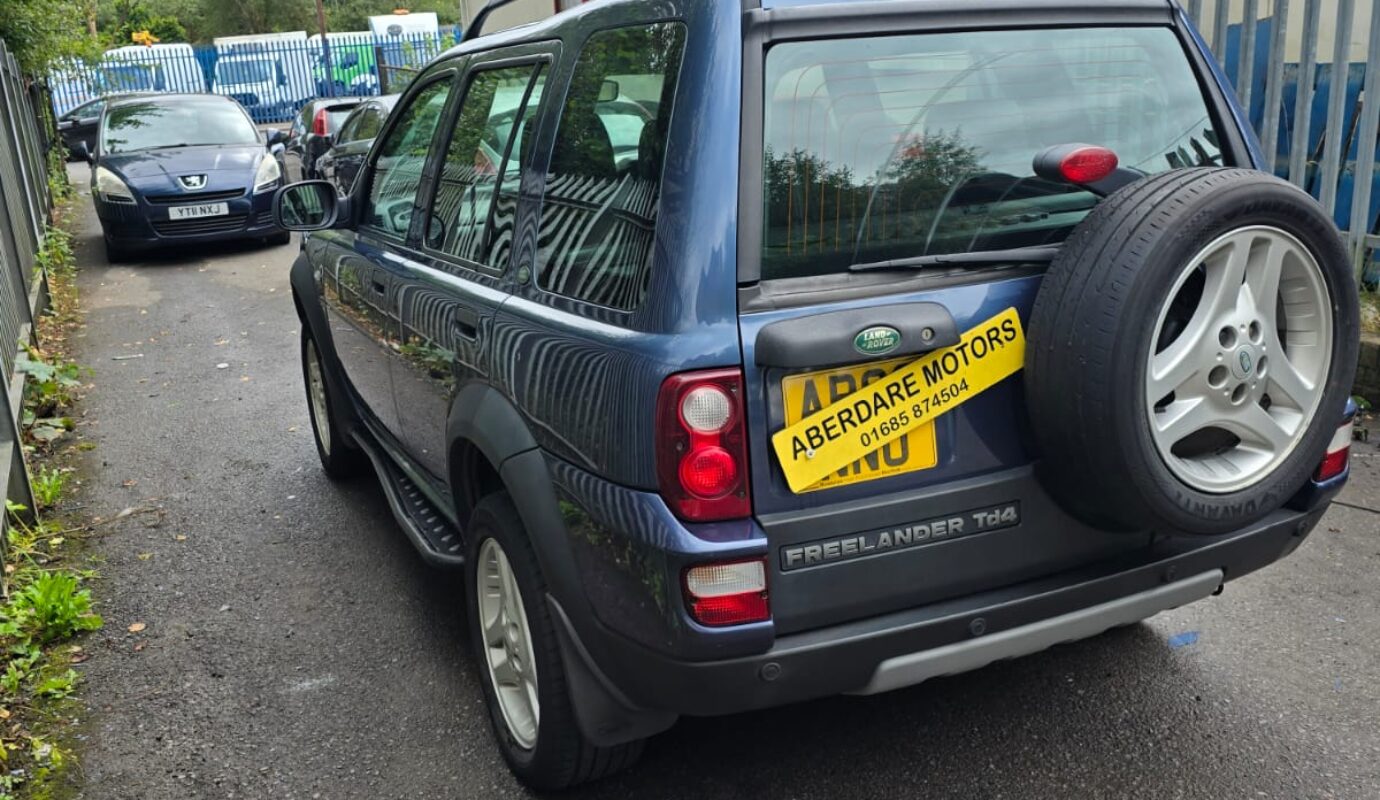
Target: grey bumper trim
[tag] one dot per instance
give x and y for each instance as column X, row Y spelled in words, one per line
column 910, row 669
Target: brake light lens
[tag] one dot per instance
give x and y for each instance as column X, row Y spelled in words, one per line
column 318, row 123
column 1338, row 454
column 702, row 446
column 1088, row 165
column 731, row 593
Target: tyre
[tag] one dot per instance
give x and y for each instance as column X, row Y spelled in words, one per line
column 519, row 660
column 116, row 253
column 1190, row 352
column 338, row 458
column 278, row 239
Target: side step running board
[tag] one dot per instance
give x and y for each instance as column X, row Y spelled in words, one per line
column 435, row 538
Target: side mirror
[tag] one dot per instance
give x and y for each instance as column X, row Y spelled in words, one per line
column 608, row 91
column 307, row 206
column 275, row 136
column 83, row 151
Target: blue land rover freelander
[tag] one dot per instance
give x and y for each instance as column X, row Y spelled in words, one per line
column 740, row 353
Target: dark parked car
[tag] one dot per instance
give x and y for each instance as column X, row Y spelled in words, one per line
column 899, row 339
column 181, row 169
column 341, row 163
column 79, row 124
column 312, row 132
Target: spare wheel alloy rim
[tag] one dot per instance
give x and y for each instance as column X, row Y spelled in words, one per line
column 316, row 389
column 508, row 644
column 1239, row 359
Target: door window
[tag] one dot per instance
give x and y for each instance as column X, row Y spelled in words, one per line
column 604, row 183
column 483, row 155
column 398, row 171
column 370, row 121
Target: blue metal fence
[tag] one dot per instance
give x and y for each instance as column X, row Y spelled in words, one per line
column 270, row 75
column 1319, row 121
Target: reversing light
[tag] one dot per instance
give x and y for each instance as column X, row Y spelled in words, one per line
column 1088, row 164
column 1338, row 454
column 729, row 593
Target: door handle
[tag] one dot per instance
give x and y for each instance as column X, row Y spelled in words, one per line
column 466, row 323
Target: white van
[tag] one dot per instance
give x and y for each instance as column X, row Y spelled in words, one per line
column 269, row 74
column 153, row 68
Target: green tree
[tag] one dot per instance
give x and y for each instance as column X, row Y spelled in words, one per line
column 41, row 32
column 239, row 17
column 133, row 16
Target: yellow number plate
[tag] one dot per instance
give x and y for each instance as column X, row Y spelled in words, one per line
column 809, row 392
column 818, row 445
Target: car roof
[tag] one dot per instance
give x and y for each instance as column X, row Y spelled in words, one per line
column 550, row 26
column 175, row 97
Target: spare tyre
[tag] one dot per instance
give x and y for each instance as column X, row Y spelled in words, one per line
column 1191, row 352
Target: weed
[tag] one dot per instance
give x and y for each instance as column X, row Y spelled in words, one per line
column 51, row 385
column 58, row 686
column 52, row 608
column 48, row 484
column 55, row 257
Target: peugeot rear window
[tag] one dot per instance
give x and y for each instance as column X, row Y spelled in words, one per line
column 904, row 146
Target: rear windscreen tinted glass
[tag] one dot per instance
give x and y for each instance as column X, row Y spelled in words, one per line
column 914, row 145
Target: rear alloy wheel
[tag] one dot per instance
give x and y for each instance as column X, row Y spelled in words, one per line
column 338, row 459
column 519, row 658
column 1191, row 352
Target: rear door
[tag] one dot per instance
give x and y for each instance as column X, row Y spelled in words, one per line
column 453, row 275
column 912, row 145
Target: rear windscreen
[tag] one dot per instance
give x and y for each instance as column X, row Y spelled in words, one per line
column 902, row 146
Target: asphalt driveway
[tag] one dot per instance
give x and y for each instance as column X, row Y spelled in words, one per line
column 296, row 647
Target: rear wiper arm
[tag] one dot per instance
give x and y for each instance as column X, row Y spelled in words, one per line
column 1019, row 255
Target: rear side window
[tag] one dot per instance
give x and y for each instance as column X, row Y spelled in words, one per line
column 480, row 156
column 604, row 183
column 398, row 171
column 922, row 144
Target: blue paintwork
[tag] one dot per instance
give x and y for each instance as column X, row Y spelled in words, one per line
column 154, row 174
column 583, row 380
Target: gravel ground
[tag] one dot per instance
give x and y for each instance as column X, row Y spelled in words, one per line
column 296, row 647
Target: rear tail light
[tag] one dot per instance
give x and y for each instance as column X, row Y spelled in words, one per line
column 731, row 593
column 702, row 446
column 1338, row 454
column 318, row 123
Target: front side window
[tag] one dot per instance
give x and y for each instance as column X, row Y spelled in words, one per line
column 398, row 171
column 922, row 144
column 152, row 124
column 481, row 155
column 604, row 184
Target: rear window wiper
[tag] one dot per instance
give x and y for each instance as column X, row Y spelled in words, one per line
column 1019, row 255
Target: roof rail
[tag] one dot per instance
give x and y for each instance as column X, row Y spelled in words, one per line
column 477, row 24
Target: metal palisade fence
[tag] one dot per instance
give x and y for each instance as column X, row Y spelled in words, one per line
column 1308, row 73
column 271, row 75
column 24, row 213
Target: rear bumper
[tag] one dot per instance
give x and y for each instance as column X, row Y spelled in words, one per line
column 903, row 648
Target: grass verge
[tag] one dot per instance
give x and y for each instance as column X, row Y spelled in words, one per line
column 45, row 606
